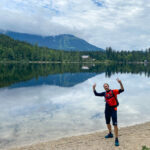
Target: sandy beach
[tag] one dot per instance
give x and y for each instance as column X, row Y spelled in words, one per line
column 131, row 138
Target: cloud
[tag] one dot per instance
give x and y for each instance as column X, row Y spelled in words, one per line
column 120, row 24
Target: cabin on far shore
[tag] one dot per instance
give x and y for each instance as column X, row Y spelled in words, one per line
column 85, row 56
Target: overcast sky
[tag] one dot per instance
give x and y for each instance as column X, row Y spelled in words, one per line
column 116, row 23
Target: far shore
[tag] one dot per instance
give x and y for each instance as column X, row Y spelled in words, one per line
column 131, row 138
column 72, row 62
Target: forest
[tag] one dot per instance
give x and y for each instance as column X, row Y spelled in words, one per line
column 14, row 50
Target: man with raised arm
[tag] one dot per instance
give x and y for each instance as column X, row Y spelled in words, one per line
column 111, row 107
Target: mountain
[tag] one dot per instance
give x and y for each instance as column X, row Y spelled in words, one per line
column 15, row 50
column 60, row 42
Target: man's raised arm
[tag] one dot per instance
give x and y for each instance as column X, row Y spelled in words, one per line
column 97, row 94
column 121, row 85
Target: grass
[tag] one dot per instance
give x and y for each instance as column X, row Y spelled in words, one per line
column 145, row 148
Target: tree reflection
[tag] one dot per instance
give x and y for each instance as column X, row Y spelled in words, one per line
column 15, row 73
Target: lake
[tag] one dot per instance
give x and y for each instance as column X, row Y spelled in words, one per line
column 41, row 102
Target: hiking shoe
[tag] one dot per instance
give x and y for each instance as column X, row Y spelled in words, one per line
column 116, row 142
column 110, row 135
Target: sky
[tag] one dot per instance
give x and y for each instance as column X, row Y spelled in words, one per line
column 123, row 25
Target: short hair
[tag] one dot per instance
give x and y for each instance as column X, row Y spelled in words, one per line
column 106, row 83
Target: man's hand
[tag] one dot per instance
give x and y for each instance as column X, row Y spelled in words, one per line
column 119, row 81
column 94, row 86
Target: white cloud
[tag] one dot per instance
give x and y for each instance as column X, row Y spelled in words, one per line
column 116, row 23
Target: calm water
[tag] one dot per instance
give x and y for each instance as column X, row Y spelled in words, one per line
column 46, row 102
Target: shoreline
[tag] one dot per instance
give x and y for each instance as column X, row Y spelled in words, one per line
column 72, row 62
column 131, row 138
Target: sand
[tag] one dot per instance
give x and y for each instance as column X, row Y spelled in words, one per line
column 131, row 138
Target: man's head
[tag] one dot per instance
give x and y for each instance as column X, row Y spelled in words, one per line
column 106, row 86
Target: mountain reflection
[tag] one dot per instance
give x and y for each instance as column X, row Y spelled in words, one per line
column 66, row 75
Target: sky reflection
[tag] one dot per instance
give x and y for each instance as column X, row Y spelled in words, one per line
column 32, row 114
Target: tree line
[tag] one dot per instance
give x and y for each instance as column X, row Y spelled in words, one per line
column 14, row 50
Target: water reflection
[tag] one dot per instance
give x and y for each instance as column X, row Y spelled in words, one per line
column 22, row 75
column 31, row 114
column 65, row 80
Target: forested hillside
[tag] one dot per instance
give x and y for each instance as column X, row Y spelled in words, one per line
column 13, row 50
column 60, row 42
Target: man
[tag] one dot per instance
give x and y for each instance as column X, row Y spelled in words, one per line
column 111, row 108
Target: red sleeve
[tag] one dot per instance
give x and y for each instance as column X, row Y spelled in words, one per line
column 116, row 92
